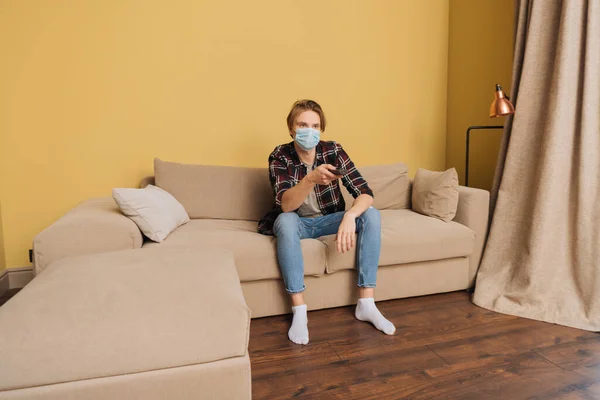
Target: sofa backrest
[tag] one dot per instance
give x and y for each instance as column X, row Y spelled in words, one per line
column 217, row 192
column 240, row 193
column 390, row 186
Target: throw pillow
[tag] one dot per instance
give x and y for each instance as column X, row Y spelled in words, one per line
column 435, row 193
column 155, row 211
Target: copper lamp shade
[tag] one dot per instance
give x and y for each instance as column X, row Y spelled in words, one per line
column 501, row 105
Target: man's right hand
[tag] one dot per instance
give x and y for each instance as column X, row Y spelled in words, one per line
column 322, row 175
column 294, row 197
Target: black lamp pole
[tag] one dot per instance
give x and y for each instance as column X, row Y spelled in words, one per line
column 468, row 135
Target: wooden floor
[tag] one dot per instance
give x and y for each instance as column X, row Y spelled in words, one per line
column 6, row 296
column 444, row 348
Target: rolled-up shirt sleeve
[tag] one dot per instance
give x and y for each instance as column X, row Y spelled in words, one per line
column 353, row 180
column 279, row 177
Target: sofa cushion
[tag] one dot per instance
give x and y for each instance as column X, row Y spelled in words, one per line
column 123, row 313
column 205, row 191
column 436, row 193
column 390, row 185
column 255, row 254
column 407, row 237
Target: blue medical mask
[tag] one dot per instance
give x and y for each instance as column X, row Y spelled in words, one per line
column 307, row 138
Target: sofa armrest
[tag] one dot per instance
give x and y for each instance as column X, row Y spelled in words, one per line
column 473, row 211
column 94, row 226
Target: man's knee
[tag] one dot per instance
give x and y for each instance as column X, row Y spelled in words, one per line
column 286, row 223
column 371, row 217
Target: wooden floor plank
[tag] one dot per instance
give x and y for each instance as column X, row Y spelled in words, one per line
column 575, row 354
column 505, row 338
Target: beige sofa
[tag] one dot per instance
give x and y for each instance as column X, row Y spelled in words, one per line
column 419, row 255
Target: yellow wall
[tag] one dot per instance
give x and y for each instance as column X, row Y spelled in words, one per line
column 92, row 91
column 2, row 256
column 480, row 53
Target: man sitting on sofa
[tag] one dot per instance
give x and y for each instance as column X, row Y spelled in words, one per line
column 305, row 177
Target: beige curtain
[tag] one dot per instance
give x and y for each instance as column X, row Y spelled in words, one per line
column 542, row 257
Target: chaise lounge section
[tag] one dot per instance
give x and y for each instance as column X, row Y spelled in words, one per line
column 161, row 323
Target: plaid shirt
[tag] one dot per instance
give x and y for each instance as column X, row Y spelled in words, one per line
column 286, row 171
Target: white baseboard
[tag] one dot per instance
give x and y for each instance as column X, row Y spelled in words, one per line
column 15, row 278
column 19, row 277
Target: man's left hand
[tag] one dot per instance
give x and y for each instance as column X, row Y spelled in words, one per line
column 346, row 231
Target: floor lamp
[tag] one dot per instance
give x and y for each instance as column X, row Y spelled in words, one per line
column 501, row 106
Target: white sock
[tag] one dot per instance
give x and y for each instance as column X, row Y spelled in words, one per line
column 298, row 332
column 366, row 310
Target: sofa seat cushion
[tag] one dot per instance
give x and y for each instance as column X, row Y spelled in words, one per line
column 121, row 313
column 255, row 254
column 408, row 237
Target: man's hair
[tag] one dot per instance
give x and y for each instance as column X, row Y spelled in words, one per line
column 305, row 105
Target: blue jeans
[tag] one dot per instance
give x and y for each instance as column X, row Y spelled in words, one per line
column 290, row 228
